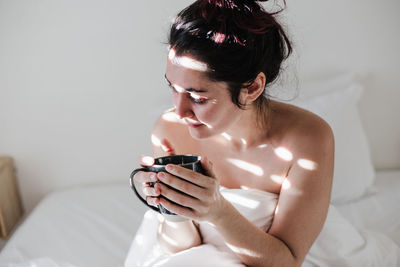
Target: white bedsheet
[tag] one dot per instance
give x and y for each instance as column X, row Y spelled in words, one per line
column 86, row 226
column 257, row 206
column 94, row 226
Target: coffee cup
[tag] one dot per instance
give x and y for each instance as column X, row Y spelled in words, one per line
column 191, row 162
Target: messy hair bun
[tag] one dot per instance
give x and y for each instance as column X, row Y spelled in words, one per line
column 237, row 39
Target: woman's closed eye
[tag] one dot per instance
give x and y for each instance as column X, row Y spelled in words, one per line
column 195, row 98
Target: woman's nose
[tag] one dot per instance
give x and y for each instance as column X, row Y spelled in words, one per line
column 182, row 106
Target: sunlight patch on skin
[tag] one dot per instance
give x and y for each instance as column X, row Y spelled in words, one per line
column 171, row 117
column 196, row 96
column 243, row 251
column 155, row 140
column 257, row 170
column 307, row 164
column 244, row 187
column 148, row 160
column 262, row 146
column 227, row 136
column 179, row 88
column 286, row 185
column 242, row 201
column 171, row 54
column 277, row 178
column 244, row 142
column 283, row 153
column 276, row 209
column 187, row 62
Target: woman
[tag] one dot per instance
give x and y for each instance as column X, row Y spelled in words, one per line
column 223, row 54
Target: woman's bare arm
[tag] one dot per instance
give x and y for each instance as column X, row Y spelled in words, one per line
column 173, row 237
column 301, row 211
column 302, row 206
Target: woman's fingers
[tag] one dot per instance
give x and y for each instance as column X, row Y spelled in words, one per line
column 177, row 209
column 191, row 176
column 145, row 177
column 150, row 191
column 177, row 197
column 207, row 166
column 153, row 201
column 180, row 184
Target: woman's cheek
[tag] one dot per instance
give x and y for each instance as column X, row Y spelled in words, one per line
column 206, row 115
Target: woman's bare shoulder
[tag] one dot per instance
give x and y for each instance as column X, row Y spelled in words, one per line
column 169, row 126
column 302, row 127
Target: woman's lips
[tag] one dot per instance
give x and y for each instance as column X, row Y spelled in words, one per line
column 195, row 125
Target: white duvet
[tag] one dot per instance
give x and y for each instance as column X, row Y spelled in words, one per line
column 339, row 243
column 95, row 226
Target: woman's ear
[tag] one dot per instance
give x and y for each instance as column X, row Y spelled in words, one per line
column 249, row 94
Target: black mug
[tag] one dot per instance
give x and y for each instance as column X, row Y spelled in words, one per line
column 191, row 162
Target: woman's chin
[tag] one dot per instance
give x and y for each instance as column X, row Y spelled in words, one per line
column 199, row 133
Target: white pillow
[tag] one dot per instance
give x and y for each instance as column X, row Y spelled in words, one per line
column 335, row 100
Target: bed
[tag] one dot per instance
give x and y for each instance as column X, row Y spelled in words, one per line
column 95, row 225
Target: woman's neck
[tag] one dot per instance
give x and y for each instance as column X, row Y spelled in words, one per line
column 249, row 131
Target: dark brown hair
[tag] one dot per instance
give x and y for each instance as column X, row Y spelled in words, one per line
column 237, row 39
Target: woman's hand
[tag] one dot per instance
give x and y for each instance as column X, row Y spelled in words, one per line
column 148, row 178
column 202, row 200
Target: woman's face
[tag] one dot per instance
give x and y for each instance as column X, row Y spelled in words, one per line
column 205, row 106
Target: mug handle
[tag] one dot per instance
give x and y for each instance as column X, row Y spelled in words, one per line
column 132, row 180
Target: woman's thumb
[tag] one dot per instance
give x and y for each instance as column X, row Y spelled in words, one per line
column 146, row 160
column 207, row 166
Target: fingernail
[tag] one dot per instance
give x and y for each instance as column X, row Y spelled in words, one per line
column 152, row 177
column 161, row 175
column 169, row 167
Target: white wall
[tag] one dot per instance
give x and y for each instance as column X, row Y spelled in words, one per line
column 81, row 82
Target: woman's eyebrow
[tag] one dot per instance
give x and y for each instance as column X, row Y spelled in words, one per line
column 187, row 89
